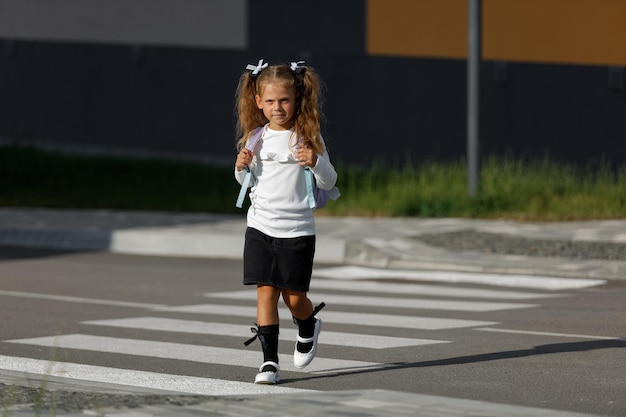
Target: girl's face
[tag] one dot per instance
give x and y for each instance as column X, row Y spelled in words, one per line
column 278, row 103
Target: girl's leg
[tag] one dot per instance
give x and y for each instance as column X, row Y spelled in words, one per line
column 298, row 303
column 309, row 326
column 267, row 320
column 267, row 305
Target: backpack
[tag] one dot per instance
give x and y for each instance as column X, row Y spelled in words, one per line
column 317, row 197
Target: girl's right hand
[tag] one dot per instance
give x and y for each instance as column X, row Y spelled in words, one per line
column 244, row 158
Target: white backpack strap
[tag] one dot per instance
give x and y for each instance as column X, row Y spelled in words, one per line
column 244, row 187
column 252, row 142
column 310, row 182
column 308, row 176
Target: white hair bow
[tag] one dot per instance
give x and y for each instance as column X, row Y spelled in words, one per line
column 297, row 67
column 256, row 69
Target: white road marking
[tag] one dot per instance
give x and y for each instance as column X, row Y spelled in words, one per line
column 503, row 280
column 355, row 319
column 395, row 302
column 529, row 332
column 422, row 289
column 242, row 331
column 141, row 379
column 250, row 358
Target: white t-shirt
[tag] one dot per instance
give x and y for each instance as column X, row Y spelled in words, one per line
column 279, row 201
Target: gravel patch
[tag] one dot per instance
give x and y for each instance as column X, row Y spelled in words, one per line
column 19, row 397
column 470, row 240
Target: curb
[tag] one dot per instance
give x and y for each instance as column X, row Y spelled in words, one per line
column 154, row 242
column 402, row 254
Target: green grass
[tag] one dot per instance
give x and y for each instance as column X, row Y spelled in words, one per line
column 520, row 189
column 540, row 190
column 30, row 177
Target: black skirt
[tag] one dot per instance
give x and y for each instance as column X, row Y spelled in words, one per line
column 282, row 263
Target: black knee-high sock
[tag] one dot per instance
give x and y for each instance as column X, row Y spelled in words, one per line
column 268, row 335
column 306, row 329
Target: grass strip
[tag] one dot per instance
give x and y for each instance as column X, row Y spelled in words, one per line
column 510, row 188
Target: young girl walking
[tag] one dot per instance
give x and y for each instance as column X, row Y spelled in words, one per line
column 283, row 101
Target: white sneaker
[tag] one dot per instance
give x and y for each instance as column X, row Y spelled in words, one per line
column 268, row 377
column 300, row 359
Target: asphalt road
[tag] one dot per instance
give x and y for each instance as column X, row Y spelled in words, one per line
column 553, row 349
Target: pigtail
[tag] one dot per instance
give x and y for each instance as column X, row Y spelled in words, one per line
column 309, row 116
column 249, row 116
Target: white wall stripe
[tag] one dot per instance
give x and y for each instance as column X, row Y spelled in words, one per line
column 394, row 302
column 90, row 374
column 234, row 330
column 250, row 357
column 198, row 23
column 503, row 280
column 422, row 289
column 355, row 319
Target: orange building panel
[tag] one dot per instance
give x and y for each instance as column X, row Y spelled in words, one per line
column 586, row 32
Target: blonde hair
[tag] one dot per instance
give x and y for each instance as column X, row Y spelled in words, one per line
column 308, row 116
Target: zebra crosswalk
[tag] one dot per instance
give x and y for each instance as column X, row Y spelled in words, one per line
column 410, row 307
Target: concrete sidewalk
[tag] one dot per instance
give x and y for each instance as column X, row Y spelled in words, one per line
column 374, row 242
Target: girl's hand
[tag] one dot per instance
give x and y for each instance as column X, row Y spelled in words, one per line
column 306, row 157
column 244, row 158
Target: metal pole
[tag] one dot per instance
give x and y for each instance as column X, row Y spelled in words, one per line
column 474, row 58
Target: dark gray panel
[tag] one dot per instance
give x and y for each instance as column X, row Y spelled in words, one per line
column 280, row 28
column 180, row 100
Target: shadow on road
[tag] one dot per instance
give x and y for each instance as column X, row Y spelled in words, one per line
column 553, row 348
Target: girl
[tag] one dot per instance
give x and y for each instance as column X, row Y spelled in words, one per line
column 284, row 101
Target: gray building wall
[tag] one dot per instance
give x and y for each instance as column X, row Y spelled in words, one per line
column 160, row 75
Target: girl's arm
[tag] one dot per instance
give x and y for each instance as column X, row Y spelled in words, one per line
column 240, row 175
column 324, row 171
column 244, row 158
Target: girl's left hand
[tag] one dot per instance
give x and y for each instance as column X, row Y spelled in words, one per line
column 306, row 157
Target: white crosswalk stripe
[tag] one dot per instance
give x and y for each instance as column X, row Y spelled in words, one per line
column 141, row 379
column 396, row 302
column 178, row 351
column 356, row 319
column 423, row 290
column 164, row 324
column 503, row 280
